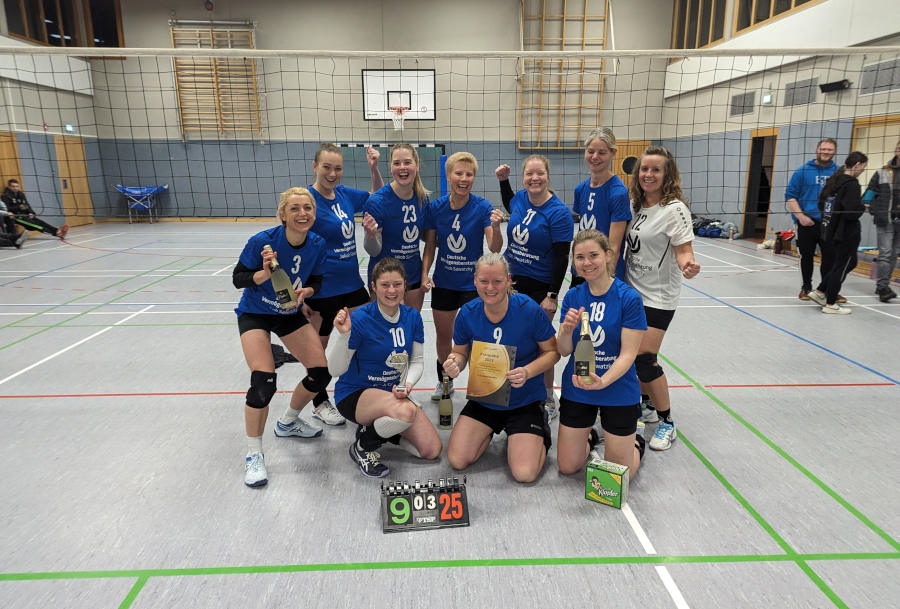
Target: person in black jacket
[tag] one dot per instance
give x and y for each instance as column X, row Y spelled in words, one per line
column 884, row 187
column 18, row 205
column 841, row 206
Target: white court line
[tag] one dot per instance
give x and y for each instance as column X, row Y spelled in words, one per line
column 720, row 260
column 227, row 266
column 72, row 346
column 186, row 312
column 737, row 251
column 768, row 270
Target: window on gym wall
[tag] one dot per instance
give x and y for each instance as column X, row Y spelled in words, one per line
column 749, row 13
column 698, row 23
column 66, row 23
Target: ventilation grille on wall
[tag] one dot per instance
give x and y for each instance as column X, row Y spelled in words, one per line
column 801, row 92
column 879, row 77
column 743, row 103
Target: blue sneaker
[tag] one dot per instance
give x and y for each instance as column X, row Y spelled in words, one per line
column 298, row 429
column 662, row 439
column 369, row 462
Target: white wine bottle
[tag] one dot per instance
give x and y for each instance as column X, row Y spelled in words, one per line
column 284, row 289
column 445, row 407
column 584, row 352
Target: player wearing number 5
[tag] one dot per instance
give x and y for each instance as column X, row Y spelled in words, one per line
column 301, row 254
column 396, row 210
column 616, row 323
column 659, row 254
column 336, row 206
column 456, row 226
column 498, row 316
column 378, row 355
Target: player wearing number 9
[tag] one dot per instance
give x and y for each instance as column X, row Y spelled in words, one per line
column 498, row 316
column 369, row 341
column 301, row 254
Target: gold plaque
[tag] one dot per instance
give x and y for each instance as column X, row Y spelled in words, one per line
column 488, row 365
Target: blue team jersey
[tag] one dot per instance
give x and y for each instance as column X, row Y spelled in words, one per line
column 298, row 262
column 374, row 339
column 531, row 233
column 459, row 239
column 402, row 224
column 620, row 307
column 601, row 206
column 335, row 224
column 523, row 326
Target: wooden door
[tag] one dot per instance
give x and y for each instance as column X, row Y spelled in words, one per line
column 9, row 158
column 628, row 148
column 78, row 206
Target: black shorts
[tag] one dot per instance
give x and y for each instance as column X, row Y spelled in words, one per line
column 617, row 420
column 347, row 406
column 329, row 307
column 529, row 418
column 450, row 300
column 658, row 318
column 282, row 325
column 534, row 289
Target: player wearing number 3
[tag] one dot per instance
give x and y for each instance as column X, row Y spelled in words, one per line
column 302, row 255
column 456, row 226
column 364, row 354
column 498, row 316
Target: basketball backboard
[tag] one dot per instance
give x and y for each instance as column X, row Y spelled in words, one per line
column 383, row 89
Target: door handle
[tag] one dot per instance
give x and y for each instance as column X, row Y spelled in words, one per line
column 65, row 184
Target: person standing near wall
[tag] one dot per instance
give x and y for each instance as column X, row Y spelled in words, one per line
column 885, row 207
column 802, row 199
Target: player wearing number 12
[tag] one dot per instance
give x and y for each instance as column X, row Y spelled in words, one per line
column 371, row 390
column 456, row 226
column 500, row 317
column 616, row 321
column 302, row 255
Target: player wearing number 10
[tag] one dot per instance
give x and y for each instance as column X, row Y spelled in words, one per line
column 498, row 316
column 369, row 390
column 302, row 255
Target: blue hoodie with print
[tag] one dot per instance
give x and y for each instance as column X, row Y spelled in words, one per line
column 806, row 184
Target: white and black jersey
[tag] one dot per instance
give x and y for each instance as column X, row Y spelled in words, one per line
column 650, row 265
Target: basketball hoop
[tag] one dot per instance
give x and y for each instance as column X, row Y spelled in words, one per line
column 398, row 116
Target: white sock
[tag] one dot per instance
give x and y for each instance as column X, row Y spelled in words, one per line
column 290, row 415
column 254, row 445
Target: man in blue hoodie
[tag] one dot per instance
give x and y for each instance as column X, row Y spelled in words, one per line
column 802, row 200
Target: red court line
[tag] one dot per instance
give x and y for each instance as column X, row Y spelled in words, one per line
column 187, row 393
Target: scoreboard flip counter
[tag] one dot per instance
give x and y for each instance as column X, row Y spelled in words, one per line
column 429, row 505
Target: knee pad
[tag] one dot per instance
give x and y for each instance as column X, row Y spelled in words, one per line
column 648, row 369
column 387, row 427
column 262, row 388
column 316, row 379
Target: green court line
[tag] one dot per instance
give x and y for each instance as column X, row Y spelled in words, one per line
column 109, row 302
column 782, row 453
column 654, row 559
column 133, row 593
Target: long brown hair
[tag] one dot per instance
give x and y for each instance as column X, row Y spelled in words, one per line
column 671, row 186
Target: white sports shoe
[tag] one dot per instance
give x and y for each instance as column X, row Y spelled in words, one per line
column 300, row 428
column 817, row 297
column 439, row 392
column 551, row 405
column 665, row 434
column 328, row 414
column 836, row 309
column 255, row 470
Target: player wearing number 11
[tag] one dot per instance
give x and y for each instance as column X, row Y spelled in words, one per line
column 301, row 254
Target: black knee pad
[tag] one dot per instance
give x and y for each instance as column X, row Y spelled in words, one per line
column 648, row 369
column 316, row 379
column 262, row 388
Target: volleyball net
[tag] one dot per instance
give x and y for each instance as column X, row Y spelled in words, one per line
column 227, row 130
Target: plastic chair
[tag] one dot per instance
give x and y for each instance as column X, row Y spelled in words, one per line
column 141, row 198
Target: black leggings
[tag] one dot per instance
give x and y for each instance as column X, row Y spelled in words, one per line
column 844, row 262
column 36, row 224
column 808, row 237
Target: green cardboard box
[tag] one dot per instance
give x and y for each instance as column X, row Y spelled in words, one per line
column 606, row 482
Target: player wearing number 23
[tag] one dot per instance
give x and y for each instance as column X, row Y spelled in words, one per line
column 499, row 317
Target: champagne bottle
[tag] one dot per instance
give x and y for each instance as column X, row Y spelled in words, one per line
column 284, row 289
column 445, row 407
column 584, row 352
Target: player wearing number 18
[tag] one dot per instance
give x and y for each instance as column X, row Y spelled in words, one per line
column 301, row 255
column 616, row 324
column 371, row 390
column 500, row 317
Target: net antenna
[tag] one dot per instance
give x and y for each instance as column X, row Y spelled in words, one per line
column 398, row 117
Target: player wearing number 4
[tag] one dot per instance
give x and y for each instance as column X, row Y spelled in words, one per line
column 302, row 255
column 396, row 210
column 617, row 324
column 342, row 286
column 454, row 225
column 498, row 316
column 658, row 255
column 374, row 346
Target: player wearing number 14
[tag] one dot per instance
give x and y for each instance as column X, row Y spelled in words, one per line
column 301, row 255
